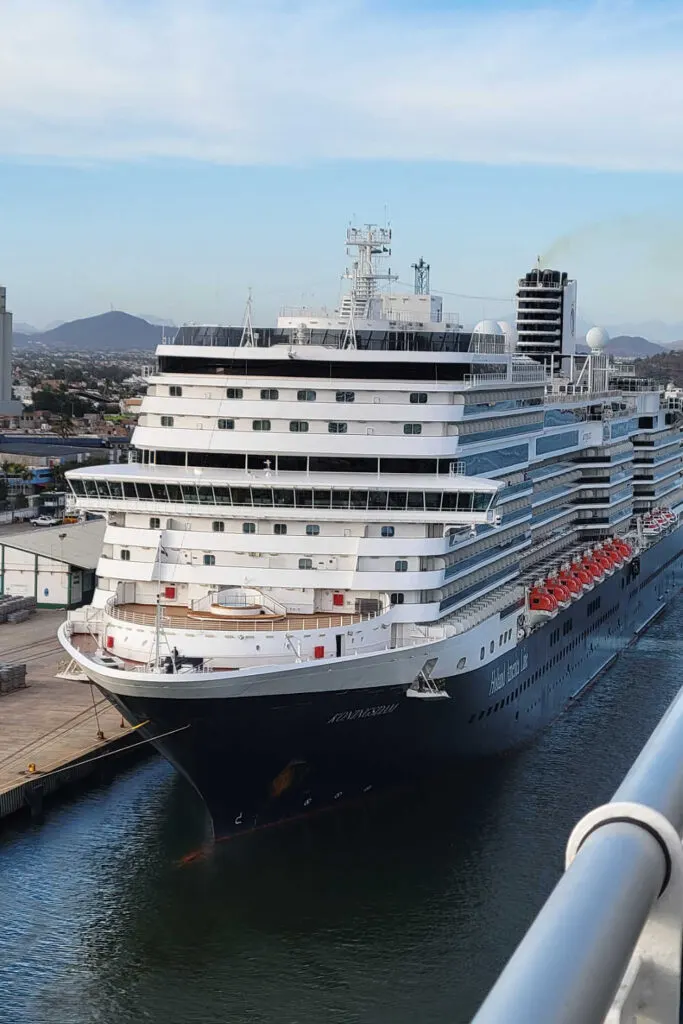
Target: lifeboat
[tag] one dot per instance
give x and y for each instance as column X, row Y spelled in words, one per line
column 582, row 574
column 625, row 549
column 666, row 513
column 542, row 604
column 603, row 561
column 561, row 593
column 566, row 579
column 594, row 568
column 614, row 553
column 613, row 557
column 651, row 528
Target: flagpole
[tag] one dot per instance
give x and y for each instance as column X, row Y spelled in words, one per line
column 157, row 664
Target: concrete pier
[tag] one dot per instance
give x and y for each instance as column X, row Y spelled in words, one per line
column 48, row 729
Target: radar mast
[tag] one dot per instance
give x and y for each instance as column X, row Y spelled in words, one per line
column 371, row 247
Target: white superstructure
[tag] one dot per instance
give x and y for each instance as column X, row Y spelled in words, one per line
column 367, row 480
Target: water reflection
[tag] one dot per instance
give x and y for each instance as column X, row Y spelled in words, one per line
column 401, row 910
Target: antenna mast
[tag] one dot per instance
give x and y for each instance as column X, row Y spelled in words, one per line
column 247, row 339
column 421, row 277
column 370, row 245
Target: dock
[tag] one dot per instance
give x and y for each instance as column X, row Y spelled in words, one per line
column 51, row 730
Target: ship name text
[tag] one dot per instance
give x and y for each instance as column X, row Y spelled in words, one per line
column 350, row 716
column 506, row 673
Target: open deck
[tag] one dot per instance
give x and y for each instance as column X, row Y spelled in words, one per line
column 185, row 618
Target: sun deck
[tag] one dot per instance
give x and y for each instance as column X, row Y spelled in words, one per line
column 184, row 618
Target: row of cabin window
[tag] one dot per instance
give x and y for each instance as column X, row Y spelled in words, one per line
column 272, row 395
column 502, row 639
column 279, row 529
column 400, row 565
column 295, row 426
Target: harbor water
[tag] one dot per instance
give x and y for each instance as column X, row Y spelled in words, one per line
column 398, row 911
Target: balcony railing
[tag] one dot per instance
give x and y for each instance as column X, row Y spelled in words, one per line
column 176, row 617
column 238, row 597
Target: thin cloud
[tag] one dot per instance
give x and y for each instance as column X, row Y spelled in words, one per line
column 589, row 85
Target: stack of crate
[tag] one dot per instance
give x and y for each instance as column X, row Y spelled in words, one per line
column 12, row 677
column 16, row 609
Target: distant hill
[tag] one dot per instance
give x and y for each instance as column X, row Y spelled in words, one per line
column 663, row 367
column 21, row 328
column 627, row 345
column 659, row 331
column 114, row 331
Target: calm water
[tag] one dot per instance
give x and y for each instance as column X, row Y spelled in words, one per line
column 400, row 912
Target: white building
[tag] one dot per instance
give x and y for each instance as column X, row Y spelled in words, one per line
column 7, row 405
column 56, row 565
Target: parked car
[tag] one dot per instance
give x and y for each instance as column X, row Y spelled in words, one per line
column 47, row 521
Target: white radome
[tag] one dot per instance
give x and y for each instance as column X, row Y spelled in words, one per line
column 488, row 327
column 597, row 339
column 510, row 335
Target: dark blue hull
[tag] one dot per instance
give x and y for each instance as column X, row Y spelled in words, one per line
column 258, row 760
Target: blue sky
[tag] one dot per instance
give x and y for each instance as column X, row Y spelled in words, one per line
column 163, row 157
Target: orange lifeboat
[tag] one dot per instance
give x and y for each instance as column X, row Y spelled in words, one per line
column 561, row 593
column 566, row 580
column 603, row 561
column 542, row 604
column 613, row 552
column 594, row 568
column 612, row 557
column 624, row 547
column 582, row 574
column 571, row 579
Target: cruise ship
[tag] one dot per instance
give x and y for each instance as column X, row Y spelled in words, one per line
column 367, row 542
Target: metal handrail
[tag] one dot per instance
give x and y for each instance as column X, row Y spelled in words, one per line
column 291, row 623
column 238, row 597
column 609, row 935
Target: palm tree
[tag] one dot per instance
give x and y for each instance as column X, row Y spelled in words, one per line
column 65, row 425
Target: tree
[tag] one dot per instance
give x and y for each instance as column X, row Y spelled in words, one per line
column 65, row 425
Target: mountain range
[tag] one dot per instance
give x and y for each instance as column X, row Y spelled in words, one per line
column 630, row 345
column 117, row 331
column 113, row 332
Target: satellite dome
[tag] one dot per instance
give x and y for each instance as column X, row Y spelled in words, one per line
column 488, row 327
column 597, row 339
column 509, row 333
